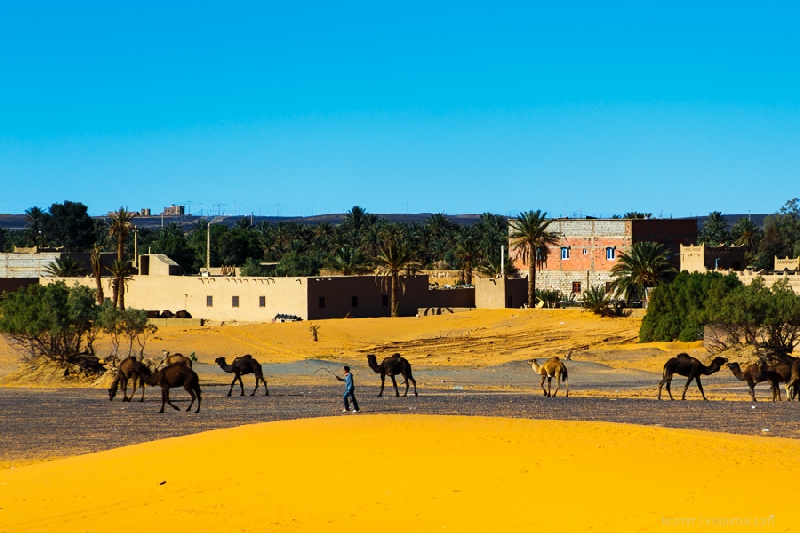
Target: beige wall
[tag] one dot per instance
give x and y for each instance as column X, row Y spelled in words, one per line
column 748, row 276
column 703, row 258
column 500, row 293
column 787, row 264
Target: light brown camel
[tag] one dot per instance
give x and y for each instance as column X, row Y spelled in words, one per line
column 552, row 368
column 245, row 364
column 174, row 358
column 753, row 374
column 690, row 367
column 170, row 377
column 392, row 366
column 129, row 368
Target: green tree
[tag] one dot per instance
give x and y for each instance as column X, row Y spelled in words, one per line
column 530, row 235
column 65, row 267
column 69, row 225
column 715, row 230
column 391, row 260
column 349, row 261
column 641, row 269
column 119, row 228
column 35, row 219
column 121, row 272
column 467, row 250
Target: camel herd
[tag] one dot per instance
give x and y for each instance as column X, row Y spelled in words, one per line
column 176, row 371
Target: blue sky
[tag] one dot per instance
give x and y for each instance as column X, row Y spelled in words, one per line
column 300, row 108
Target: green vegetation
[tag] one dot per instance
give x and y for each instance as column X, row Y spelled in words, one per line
column 60, row 324
column 677, row 309
column 645, row 266
column 529, row 234
column 597, row 300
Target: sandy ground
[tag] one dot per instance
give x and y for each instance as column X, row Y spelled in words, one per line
column 407, row 467
column 410, row 473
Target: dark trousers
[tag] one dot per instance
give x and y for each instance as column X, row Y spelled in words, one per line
column 352, row 395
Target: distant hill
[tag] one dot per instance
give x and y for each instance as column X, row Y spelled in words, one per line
column 17, row 222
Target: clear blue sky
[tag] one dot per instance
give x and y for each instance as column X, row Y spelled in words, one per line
column 309, row 107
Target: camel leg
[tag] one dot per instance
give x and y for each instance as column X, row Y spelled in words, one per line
column 232, row 384
column 394, row 382
column 406, row 378
column 266, row 390
column 142, row 384
column 383, row 378
column 125, row 389
column 566, row 381
column 414, row 381
column 188, row 388
column 544, row 377
column 700, row 386
column 254, row 390
column 686, row 387
column 753, row 391
column 165, row 399
column 241, row 384
column 558, row 384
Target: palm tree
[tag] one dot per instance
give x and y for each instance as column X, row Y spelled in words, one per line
column 95, row 259
column 467, row 250
column 65, row 267
column 349, row 261
column 644, row 267
column 529, row 235
column 120, row 227
column 34, row 222
column 121, row 272
column 391, row 260
column 715, row 230
column 746, row 233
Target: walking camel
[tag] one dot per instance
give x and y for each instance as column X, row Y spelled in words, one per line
column 753, row 374
column 690, row 367
column 245, row 364
column 170, row 377
column 794, row 381
column 552, row 368
column 392, row 366
column 129, row 368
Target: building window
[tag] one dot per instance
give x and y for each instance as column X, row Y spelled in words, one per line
column 235, row 301
column 322, row 302
column 385, row 300
column 565, row 252
column 608, row 286
column 611, row 253
column 576, row 287
column 354, row 301
column 262, row 301
column 585, row 251
column 209, row 301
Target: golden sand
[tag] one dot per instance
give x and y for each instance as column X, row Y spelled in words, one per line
column 413, row 473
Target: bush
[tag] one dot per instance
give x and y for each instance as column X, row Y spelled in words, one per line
column 676, row 310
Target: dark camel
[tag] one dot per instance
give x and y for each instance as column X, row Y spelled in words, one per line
column 552, row 368
column 243, row 365
column 129, row 368
column 393, row 366
column 690, row 367
column 794, row 381
column 170, row 377
column 754, row 374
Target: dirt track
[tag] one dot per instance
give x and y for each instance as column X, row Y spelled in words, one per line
column 42, row 423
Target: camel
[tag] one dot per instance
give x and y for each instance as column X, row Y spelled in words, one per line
column 128, row 368
column 170, row 377
column 552, row 368
column 690, row 367
column 174, row 358
column 245, row 364
column 794, row 381
column 753, row 374
column 392, row 366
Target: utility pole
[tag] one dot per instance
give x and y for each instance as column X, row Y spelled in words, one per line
column 502, row 261
column 208, row 248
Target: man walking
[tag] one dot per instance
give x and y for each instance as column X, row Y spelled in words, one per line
column 349, row 390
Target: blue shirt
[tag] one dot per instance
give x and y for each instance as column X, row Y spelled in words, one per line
column 348, row 382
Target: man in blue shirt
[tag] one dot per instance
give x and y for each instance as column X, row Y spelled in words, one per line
column 349, row 390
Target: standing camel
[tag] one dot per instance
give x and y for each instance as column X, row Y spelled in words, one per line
column 552, row 368
column 172, row 376
column 174, row 358
column 245, row 364
column 392, row 366
column 690, row 367
column 752, row 374
column 129, row 368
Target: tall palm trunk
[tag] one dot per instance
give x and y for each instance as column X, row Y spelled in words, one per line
column 395, row 288
column 532, row 280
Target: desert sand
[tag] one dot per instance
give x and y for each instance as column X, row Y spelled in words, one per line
column 410, row 473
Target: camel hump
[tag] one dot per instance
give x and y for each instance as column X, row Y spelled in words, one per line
column 396, row 356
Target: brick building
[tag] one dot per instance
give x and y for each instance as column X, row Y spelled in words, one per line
column 589, row 248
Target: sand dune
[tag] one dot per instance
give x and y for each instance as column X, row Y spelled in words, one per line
column 417, row 473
